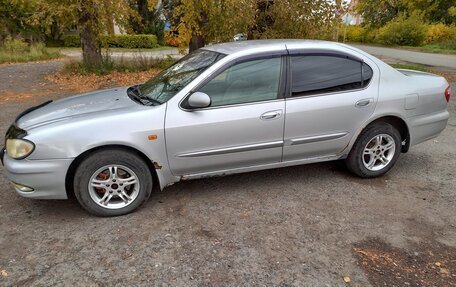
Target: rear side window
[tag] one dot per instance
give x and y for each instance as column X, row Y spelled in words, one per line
column 313, row 75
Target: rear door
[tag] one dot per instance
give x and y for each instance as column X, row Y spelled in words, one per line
column 331, row 97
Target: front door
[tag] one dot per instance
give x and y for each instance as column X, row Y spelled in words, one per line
column 243, row 126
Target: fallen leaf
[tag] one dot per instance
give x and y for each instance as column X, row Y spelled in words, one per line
column 438, row 264
column 347, row 279
column 4, row 273
column 444, row 271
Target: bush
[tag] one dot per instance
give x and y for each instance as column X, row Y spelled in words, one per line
column 403, row 31
column 117, row 41
column 172, row 40
column 353, row 34
column 15, row 46
column 438, row 33
column 449, row 44
column 72, row 40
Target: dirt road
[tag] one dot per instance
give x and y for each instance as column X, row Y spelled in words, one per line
column 300, row 226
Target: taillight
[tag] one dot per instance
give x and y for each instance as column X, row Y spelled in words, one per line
column 448, row 94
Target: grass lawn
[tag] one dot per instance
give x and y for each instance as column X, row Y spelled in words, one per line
column 415, row 67
column 161, row 48
column 427, row 48
column 449, row 76
column 8, row 56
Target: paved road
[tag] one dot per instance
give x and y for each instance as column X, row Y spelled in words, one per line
column 430, row 59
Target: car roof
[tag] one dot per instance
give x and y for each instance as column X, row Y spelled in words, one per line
column 244, row 46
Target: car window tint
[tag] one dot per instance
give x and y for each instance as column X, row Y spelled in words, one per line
column 325, row 74
column 367, row 74
column 246, row 82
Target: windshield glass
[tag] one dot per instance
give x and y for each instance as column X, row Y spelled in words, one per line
column 165, row 85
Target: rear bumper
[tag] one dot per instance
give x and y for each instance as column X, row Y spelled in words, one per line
column 425, row 127
column 46, row 177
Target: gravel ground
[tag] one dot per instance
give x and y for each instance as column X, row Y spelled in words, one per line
column 300, row 226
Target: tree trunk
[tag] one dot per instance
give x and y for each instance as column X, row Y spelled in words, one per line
column 89, row 32
column 196, row 42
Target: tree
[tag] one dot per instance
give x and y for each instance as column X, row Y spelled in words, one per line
column 13, row 18
column 149, row 20
column 377, row 13
column 202, row 21
column 91, row 17
column 435, row 11
column 308, row 19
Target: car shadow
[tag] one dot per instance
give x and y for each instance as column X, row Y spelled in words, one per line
column 237, row 184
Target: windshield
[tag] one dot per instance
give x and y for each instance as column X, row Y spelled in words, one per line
column 165, row 85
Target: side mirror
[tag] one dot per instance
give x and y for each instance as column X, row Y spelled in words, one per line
column 199, row 100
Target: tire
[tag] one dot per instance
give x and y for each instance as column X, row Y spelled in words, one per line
column 112, row 182
column 369, row 159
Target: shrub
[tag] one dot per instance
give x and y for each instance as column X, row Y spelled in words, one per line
column 72, row 40
column 117, row 41
column 172, row 40
column 353, row 34
column 449, row 44
column 437, row 33
column 403, row 31
column 15, row 46
column 370, row 34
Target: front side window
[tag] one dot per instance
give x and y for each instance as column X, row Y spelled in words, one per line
column 246, row 82
column 326, row 74
column 165, row 85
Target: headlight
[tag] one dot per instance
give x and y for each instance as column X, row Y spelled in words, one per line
column 19, row 148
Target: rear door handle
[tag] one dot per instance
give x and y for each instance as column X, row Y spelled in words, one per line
column 271, row 115
column 364, row 103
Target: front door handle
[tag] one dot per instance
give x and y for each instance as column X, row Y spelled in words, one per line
column 271, row 115
column 364, row 103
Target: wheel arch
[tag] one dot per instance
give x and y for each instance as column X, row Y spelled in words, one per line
column 398, row 123
column 77, row 161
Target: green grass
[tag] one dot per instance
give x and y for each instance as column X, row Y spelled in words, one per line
column 161, row 48
column 30, row 54
column 123, row 64
column 412, row 67
column 430, row 48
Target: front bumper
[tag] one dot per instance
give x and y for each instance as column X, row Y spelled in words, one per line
column 2, row 154
column 46, row 177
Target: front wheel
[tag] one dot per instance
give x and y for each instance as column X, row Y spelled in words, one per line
column 112, row 182
column 375, row 151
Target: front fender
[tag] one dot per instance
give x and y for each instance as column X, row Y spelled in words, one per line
column 141, row 129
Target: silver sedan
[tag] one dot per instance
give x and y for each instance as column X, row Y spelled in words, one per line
column 227, row 108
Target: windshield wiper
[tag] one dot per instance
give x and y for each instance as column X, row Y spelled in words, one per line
column 135, row 94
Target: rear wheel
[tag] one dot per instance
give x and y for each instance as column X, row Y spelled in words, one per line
column 376, row 151
column 112, row 182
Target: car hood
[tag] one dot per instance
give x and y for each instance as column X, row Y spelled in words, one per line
column 80, row 105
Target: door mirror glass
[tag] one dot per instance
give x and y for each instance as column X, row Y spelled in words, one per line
column 199, row 100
